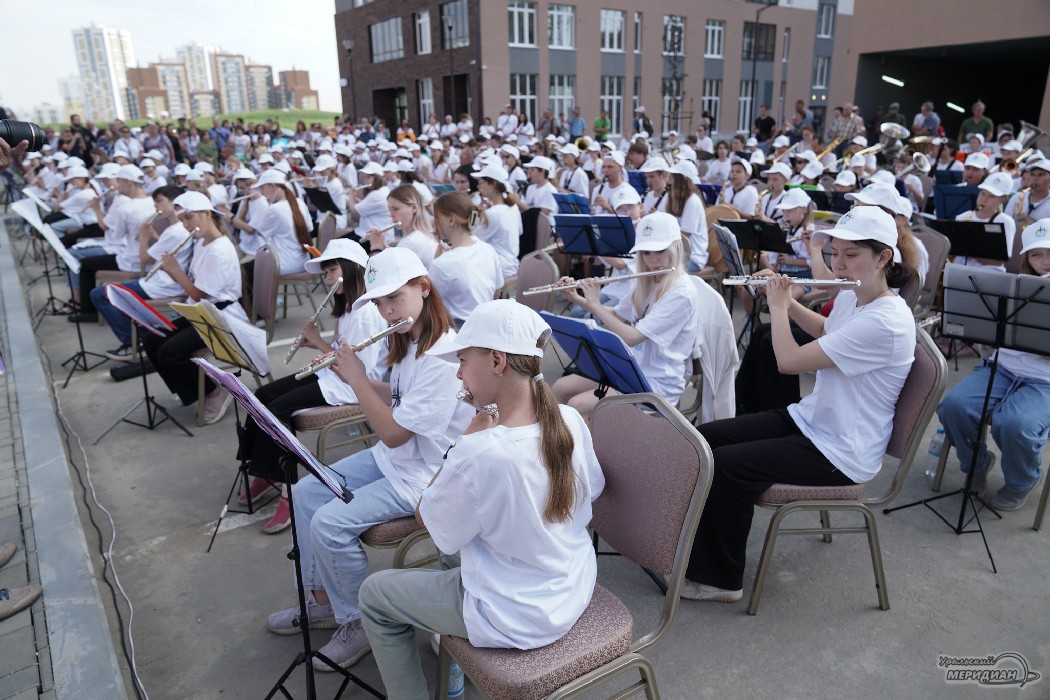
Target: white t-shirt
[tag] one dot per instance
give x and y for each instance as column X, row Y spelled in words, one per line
column 542, row 197
column 277, row 227
column 746, row 200
column 218, row 195
column 1025, row 365
column 769, row 206
column 215, row 270
column 422, row 245
column 353, row 327
column 130, row 218
column 718, row 171
column 608, row 192
column 424, row 192
column 849, row 415
column 574, row 181
column 467, row 276
column 669, row 325
column 503, row 233
column 694, row 221
column 515, row 179
column 347, row 174
column 526, row 581
column 77, row 206
column 373, row 211
column 250, row 241
column 655, row 202
column 424, row 402
column 161, row 285
column 1009, row 227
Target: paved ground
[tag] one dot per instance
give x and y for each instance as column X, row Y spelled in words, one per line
column 199, row 618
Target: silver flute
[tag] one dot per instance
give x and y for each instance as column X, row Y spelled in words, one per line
column 156, row 267
column 328, row 359
column 301, row 338
column 757, row 281
column 467, row 397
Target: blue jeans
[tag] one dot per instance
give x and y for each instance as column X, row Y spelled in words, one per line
column 330, row 549
column 1020, row 422
column 116, row 319
column 64, row 226
column 81, row 254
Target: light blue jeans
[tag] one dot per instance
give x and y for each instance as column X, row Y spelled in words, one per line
column 329, row 530
column 1020, row 422
column 82, row 254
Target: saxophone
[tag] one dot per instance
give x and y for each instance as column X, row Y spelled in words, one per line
column 758, row 205
column 1019, row 208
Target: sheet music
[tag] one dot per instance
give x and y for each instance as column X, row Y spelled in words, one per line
column 52, row 239
column 271, row 426
column 233, row 336
column 135, row 307
column 39, row 202
column 28, row 211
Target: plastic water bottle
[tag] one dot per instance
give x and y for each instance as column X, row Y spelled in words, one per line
column 455, row 680
column 936, row 445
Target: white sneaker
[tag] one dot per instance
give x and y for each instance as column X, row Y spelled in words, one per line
column 699, row 591
column 215, row 407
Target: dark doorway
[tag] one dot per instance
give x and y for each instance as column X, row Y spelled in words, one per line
column 391, row 106
column 462, row 95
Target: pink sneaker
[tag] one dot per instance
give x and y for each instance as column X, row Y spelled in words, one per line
column 258, row 487
column 280, row 520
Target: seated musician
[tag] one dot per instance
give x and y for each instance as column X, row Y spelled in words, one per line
column 513, row 497
column 993, row 194
column 835, row 436
column 1028, row 207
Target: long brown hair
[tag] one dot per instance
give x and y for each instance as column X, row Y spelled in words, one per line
column 681, row 188
column 436, row 322
column 353, row 285
column 508, row 197
column 556, row 443
column 302, row 232
column 906, row 245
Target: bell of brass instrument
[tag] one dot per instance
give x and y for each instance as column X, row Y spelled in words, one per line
column 919, row 162
column 1029, row 134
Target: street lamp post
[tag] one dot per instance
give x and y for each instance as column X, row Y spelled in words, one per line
column 451, row 69
column 348, row 44
column 754, row 59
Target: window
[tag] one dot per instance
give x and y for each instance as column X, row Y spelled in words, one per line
column 711, row 101
column 521, row 21
column 458, row 35
column 387, row 42
column 612, row 101
column 636, row 99
column 425, row 91
column 562, row 94
column 759, row 41
column 674, row 34
column 637, row 32
column 672, row 95
column 423, row 44
column 523, row 94
column 611, row 24
column 743, row 118
column 825, row 21
column 714, row 39
column 561, row 27
column 821, row 67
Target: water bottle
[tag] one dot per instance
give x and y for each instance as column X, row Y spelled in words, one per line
column 455, row 680
column 936, row 445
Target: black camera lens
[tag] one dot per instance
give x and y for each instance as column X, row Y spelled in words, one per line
column 15, row 132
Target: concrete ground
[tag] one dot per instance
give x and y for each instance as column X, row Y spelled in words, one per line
column 199, row 618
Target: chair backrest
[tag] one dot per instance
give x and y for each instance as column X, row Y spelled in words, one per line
column 910, row 291
column 658, row 472
column 264, row 289
column 536, row 270
column 543, row 231
column 937, row 248
column 918, row 399
column 325, row 231
column 1013, row 265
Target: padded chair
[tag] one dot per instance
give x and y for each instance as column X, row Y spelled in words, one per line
column 918, row 399
column 325, row 231
column 401, row 534
column 937, row 247
column 326, row 419
column 536, row 270
column 648, row 512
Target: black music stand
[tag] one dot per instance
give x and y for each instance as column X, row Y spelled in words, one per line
column 572, row 203
column 1004, row 311
column 295, row 453
column 830, row 201
column 974, row 239
column 947, row 177
column 758, row 235
column 145, row 316
column 28, row 211
column 951, row 200
column 321, row 200
column 606, row 236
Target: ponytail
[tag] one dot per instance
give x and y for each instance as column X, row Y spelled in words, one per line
column 302, row 233
column 460, row 206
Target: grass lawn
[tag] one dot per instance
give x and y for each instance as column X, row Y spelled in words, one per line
column 287, row 118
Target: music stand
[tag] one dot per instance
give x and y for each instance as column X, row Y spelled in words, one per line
column 758, row 235
column 606, row 236
column 142, row 314
column 710, row 192
column 947, row 177
column 442, row 189
column 321, row 200
column 637, row 180
column 572, row 203
column 295, row 453
column 598, row 354
column 951, row 200
column 1004, row 311
column 28, row 211
column 974, row 239
column 830, row 201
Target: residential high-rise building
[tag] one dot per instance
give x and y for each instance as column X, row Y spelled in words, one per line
column 231, row 82
column 197, row 59
column 175, row 81
column 295, row 90
column 47, row 113
column 72, row 93
column 204, row 103
column 260, row 87
column 146, row 95
column 103, row 57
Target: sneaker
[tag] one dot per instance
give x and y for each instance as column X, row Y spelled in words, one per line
column 322, row 617
column 980, row 479
column 258, row 487
column 13, row 600
column 1007, row 499
column 347, row 646
column 699, row 591
column 122, row 354
column 281, row 519
column 7, row 550
column 215, row 407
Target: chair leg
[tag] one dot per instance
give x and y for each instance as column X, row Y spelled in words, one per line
column 763, row 562
column 1041, row 510
column 441, row 684
column 941, row 462
column 200, row 397
column 825, row 522
column 876, row 557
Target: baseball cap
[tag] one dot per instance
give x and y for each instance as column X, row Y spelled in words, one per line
column 371, row 168
column 569, row 149
column 847, row 178
column 884, row 177
column 266, row 158
column 656, row 164
column 542, row 163
column 865, row 224
column 977, row 160
column 686, row 168
column 271, row 177
column 244, row 174
column 321, row 164
column 502, row 324
column 492, row 171
column 338, row 249
column 129, row 172
column 147, row 163
column 781, row 142
column 813, row 170
column 1012, row 145
column 1036, row 236
column 617, row 157
column 181, row 169
column 795, row 198
column 1000, row 184
column 744, row 164
column 625, row 195
column 387, row 271
column 192, row 201
column 876, row 194
column 77, row 171
column 777, row 168
column 510, row 150
column 655, row 232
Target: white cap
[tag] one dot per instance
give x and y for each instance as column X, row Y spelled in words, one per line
column 751, row 141
column 542, row 163
column 338, row 249
column 864, row 224
column 1012, row 145
column 744, row 164
column 203, row 167
column 405, row 166
column 154, row 154
column 686, row 152
column 343, row 150
column 686, row 168
column 777, row 168
column 277, row 148
column 371, row 168
column 979, row 137
column 193, row 201
column 569, row 149
column 847, row 178
column 781, row 142
column 265, row 158
column 386, row 146
column 322, row 163
column 1038, row 163
column 510, row 150
column 795, row 198
column 977, row 160
column 757, row 158
column 860, row 141
column 904, row 207
column 326, row 144
column 806, row 154
column 283, row 167
column 77, row 171
column 503, row 325
column 657, row 231
column 243, row 174
column 73, row 161
column 548, row 137
column 640, row 109
column 1036, row 236
column 625, row 195
column 492, row 171
column 999, row 184
column 884, row 177
column 195, row 176
column 129, row 172
column 390, row 167
column 616, row 156
column 656, row 164
column 672, row 132
column 402, row 153
column 181, row 169
column 387, row 271
column 813, row 170
column 857, row 161
column 436, row 146
column 147, row 163
column 876, row 194
column 271, row 177
column 108, row 170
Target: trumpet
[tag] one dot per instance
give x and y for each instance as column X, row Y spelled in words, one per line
column 1010, row 166
column 301, row 338
column 548, row 288
column 156, row 267
column 466, row 397
column 328, row 359
column 758, row 281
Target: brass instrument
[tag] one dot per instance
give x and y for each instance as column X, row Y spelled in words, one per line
column 863, row 152
column 831, row 147
column 548, row 288
column 894, row 130
column 156, row 267
column 301, row 338
column 328, row 359
column 466, row 397
column 793, row 148
column 1029, row 134
column 760, row 280
column 758, row 205
column 1019, row 207
column 919, row 162
column 1010, row 166
column 582, row 143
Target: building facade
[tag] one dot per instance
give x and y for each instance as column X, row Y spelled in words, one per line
column 204, row 103
column 231, row 82
column 103, row 56
column 146, row 95
column 261, row 93
column 72, row 93
column 295, row 92
column 197, row 59
column 174, row 80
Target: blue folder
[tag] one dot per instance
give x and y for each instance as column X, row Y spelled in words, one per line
column 951, row 200
column 598, row 354
column 572, row 204
column 583, row 234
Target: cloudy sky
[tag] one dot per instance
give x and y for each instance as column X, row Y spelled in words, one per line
column 282, row 34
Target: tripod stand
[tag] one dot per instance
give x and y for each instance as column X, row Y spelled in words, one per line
column 80, row 359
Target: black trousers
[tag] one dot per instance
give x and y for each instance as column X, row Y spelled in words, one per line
column 89, row 231
column 751, row 453
column 89, row 268
column 171, row 357
column 283, row 397
column 759, row 384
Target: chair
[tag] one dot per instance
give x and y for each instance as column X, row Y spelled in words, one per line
column 401, row 534
column 910, row 291
column 536, row 270
column 918, row 399
column 717, row 353
column 937, row 248
column 325, row 419
column 325, row 231
column 648, row 512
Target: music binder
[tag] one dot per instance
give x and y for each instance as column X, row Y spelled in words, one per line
column 951, row 200
column 974, row 239
column 572, row 203
column 607, row 236
column 321, row 199
column 230, row 340
column 755, row 234
column 598, row 354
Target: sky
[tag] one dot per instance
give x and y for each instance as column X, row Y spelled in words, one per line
column 282, row 34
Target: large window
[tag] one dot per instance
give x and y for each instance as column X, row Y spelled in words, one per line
column 425, row 88
column 744, row 106
column 760, row 41
column 423, row 43
column 562, row 94
column 714, row 38
column 821, row 67
column 611, row 25
column 674, row 34
column 458, row 35
column 672, row 94
column 711, row 101
column 637, row 32
column 561, row 27
column 612, row 102
column 826, row 21
column 523, row 94
column 521, row 23
column 387, row 40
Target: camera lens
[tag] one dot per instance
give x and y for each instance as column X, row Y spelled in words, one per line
column 15, row 132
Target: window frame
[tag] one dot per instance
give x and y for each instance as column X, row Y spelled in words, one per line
column 609, row 32
column 825, row 21
column 421, row 24
column 761, row 33
column 522, row 101
column 714, row 33
column 818, row 62
column 669, row 22
column 390, row 29
column 608, row 99
column 562, row 91
column 521, row 24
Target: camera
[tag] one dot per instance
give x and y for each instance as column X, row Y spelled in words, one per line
column 14, row 132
